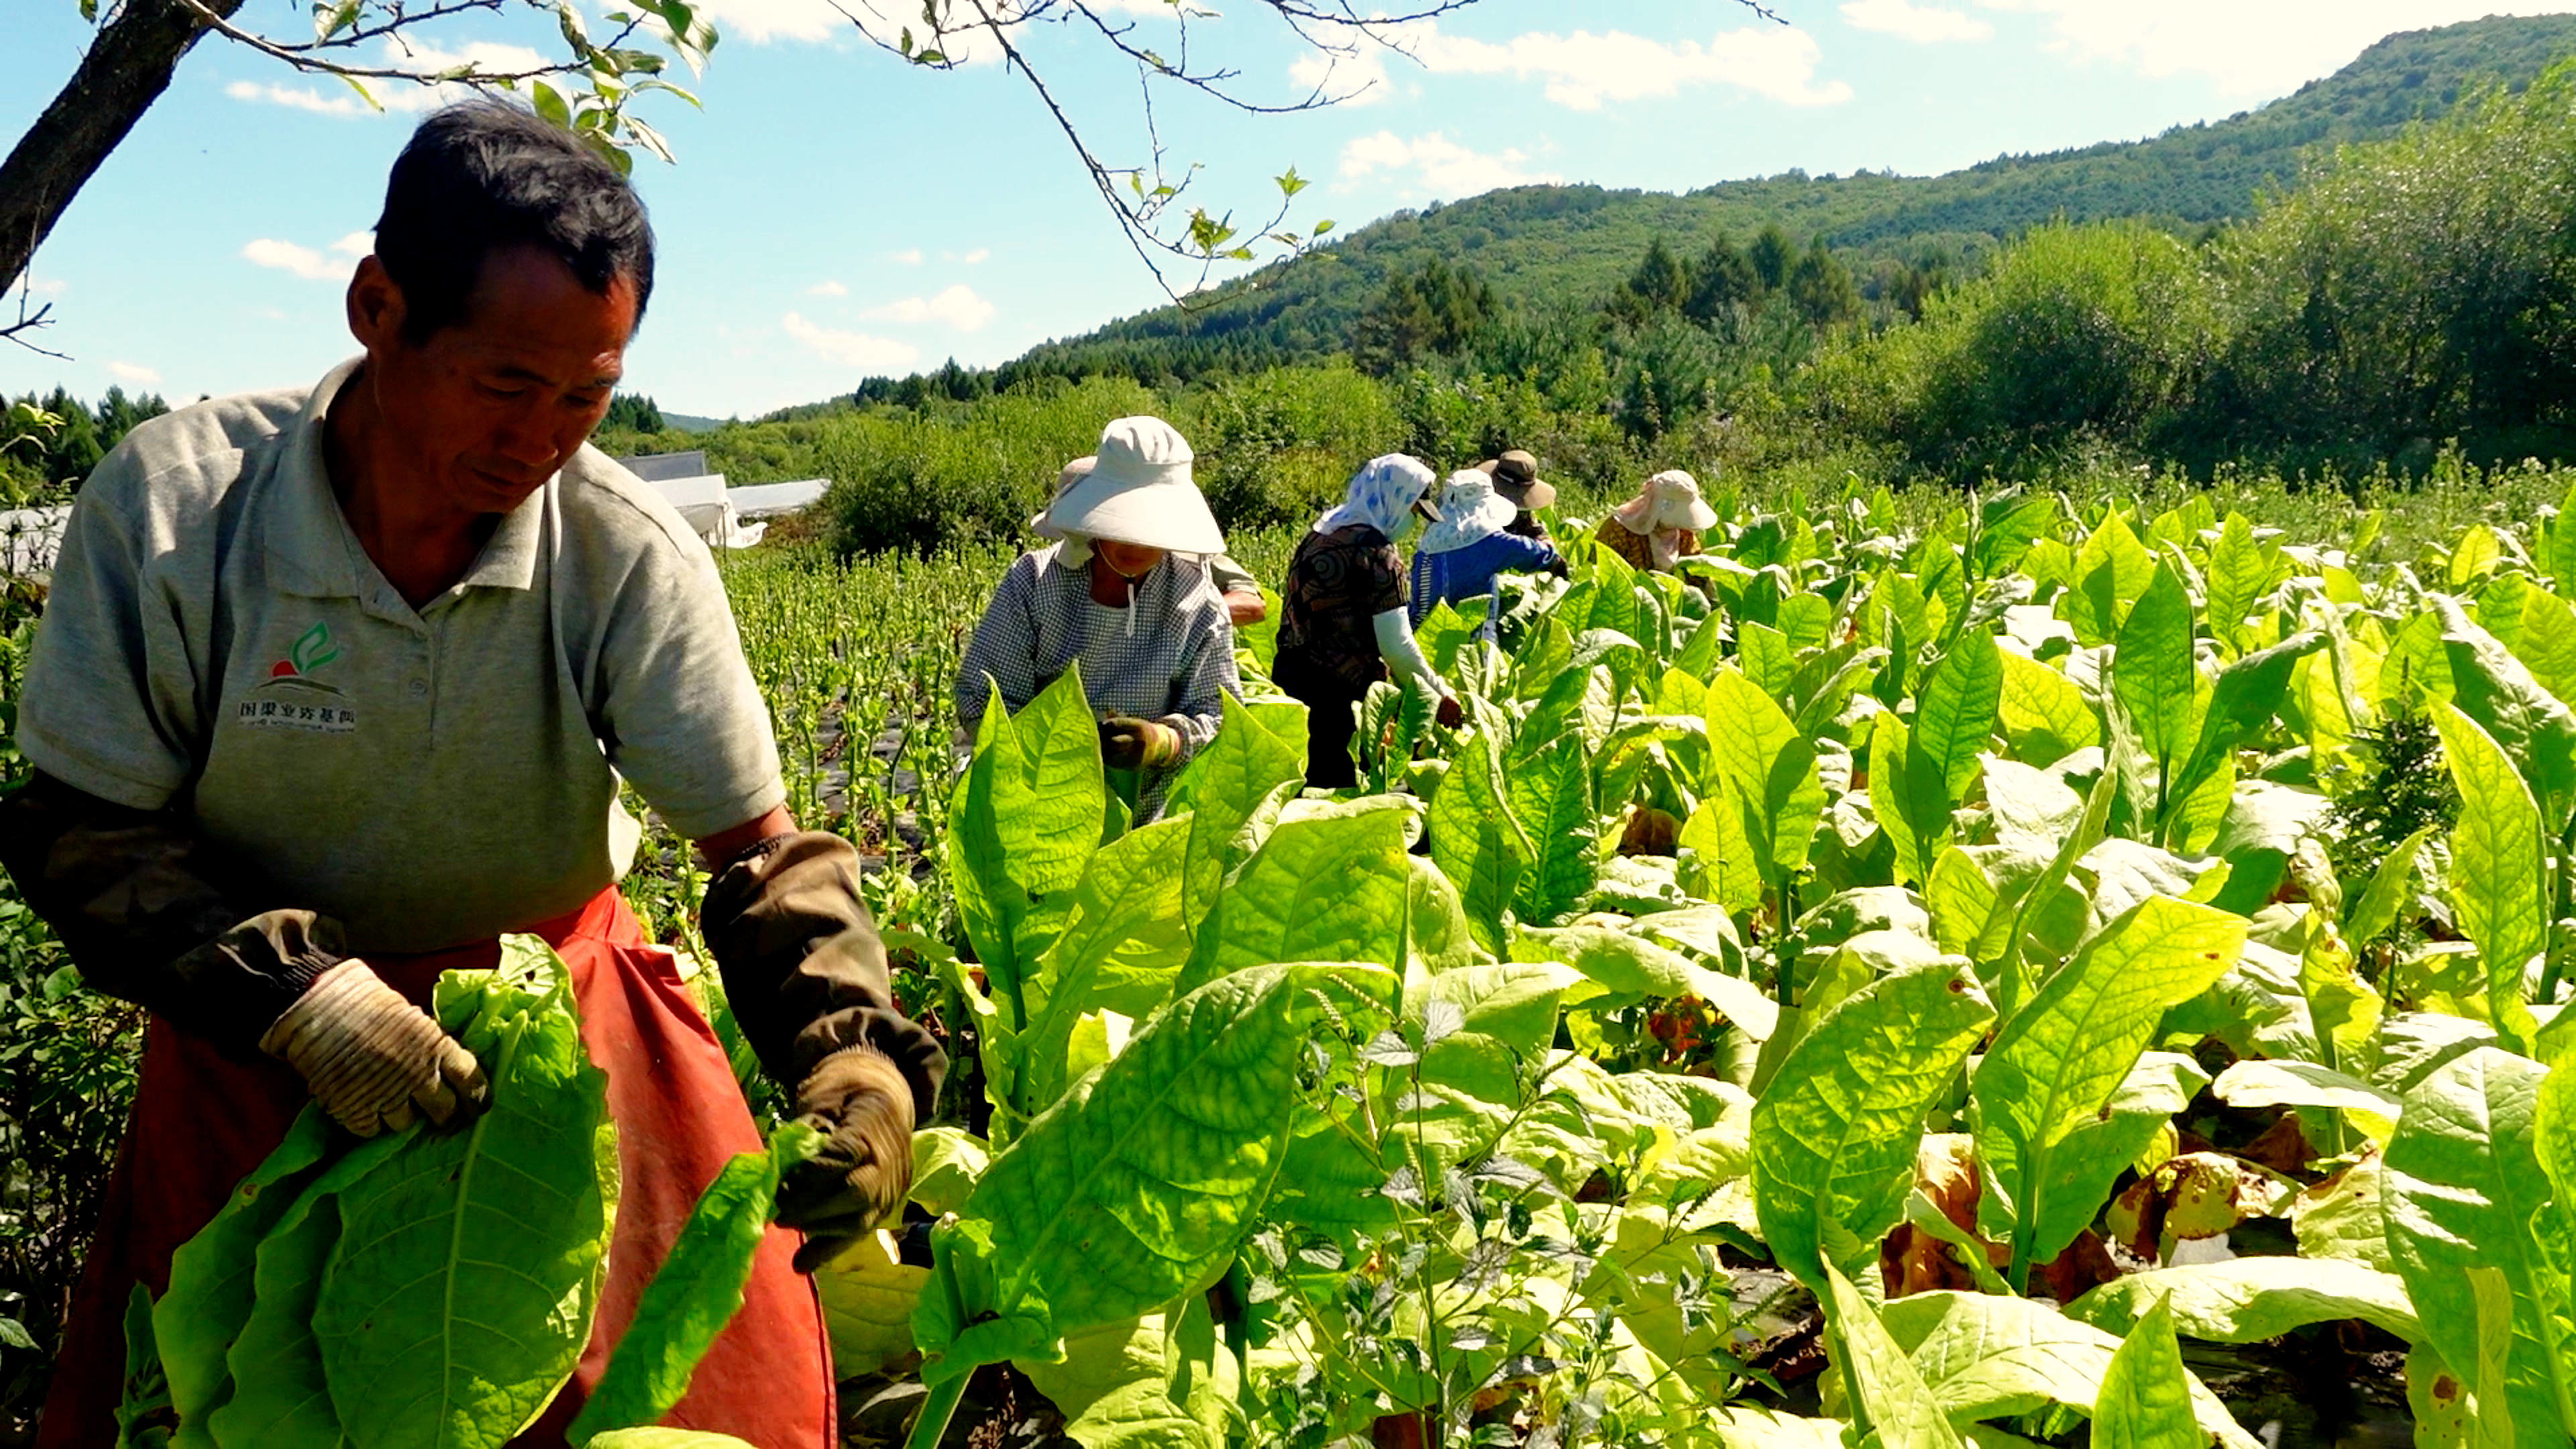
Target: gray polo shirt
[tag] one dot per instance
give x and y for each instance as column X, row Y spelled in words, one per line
column 218, row 639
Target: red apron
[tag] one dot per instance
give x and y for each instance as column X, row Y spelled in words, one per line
column 203, row 1121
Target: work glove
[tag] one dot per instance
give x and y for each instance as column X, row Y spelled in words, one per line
column 374, row 1060
column 859, row 1100
column 1450, row 713
column 1129, row 743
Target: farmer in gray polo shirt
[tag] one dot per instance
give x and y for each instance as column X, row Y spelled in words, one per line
column 335, row 686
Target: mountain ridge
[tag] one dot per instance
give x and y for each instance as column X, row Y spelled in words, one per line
column 1575, row 241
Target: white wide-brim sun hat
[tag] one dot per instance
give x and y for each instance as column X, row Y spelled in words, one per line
column 1072, row 473
column 1670, row 500
column 1139, row 491
column 1470, row 509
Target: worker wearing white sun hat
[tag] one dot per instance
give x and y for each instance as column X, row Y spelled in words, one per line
column 1125, row 593
column 1244, row 604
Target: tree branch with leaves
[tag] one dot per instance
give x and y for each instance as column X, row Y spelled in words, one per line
column 589, row 84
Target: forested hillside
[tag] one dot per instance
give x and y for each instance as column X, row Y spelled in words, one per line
column 1576, row 241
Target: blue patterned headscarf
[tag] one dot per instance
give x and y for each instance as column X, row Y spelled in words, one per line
column 1382, row 495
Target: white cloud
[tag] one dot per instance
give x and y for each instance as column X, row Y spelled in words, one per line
column 1357, row 79
column 851, row 349
column 401, row 97
column 1922, row 24
column 45, row 286
column 958, row 306
column 1581, row 71
column 356, row 244
column 762, row 21
column 1442, row 166
column 129, row 372
column 973, row 258
column 827, row 289
column 911, row 258
column 2250, row 50
column 286, row 256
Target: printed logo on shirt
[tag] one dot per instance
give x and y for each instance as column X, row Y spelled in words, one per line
column 311, row 651
column 289, row 697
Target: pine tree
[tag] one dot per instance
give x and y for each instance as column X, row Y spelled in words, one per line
column 1772, row 257
column 1723, row 280
column 1821, row 288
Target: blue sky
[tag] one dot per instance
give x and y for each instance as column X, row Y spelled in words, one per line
column 835, row 213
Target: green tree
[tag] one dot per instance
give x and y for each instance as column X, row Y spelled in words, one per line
column 2411, row 291
column 632, row 412
column 1432, row 310
column 1821, row 288
column 1660, row 284
column 1721, row 281
column 1773, row 254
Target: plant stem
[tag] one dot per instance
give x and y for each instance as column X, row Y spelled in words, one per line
column 936, row 1411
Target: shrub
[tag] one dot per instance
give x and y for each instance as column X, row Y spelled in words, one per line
column 1278, row 446
column 961, row 473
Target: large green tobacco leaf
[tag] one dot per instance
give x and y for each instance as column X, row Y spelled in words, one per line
column 1891, row 787
column 1127, row 934
column 2462, row 1184
column 2553, row 1227
column 695, row 1292
column 2248, row 693
column 1954, row 722
column 1139, row 1185
column 1623, row 971
column 2083, row 1167
column 1726, row 867
column 1327, row 888
column 1551, row 796
column 2111, row 571
column 1834, row 1139
column 2154, row 677
column 1770, row 765
column 2042, row 712
column 460, row 1291
column 1893, row 1406
column 666, row 1439
column 1124, row 944
column 2057, row 1061
column 1475, row 840
column 2533, row 727
column 1234, row 785
column 2546, row 643
column 2146, row 1393
column 2248, row 1300
column 210, row 1292
column 1988, row 1357
column 2371, row 916
column 1159, row 1381
column 2239, row 573
column 2010, row 976
column 2498, row 869
column 1024, row 822
column 277, row 1392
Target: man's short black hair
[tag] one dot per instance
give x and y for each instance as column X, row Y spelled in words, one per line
column 484, row 175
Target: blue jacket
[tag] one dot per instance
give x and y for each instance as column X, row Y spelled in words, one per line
column 1463, row 573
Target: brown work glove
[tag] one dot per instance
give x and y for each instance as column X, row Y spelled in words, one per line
column 859, row 1100
column 1449, row 712
column 1129, row 743
column 372, row 1058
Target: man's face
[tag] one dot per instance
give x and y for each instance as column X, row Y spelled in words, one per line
column 490, row 407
